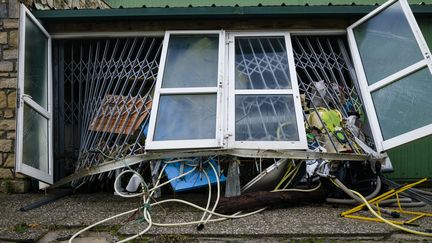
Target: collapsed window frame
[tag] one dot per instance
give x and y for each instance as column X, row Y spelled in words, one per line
column 226, row 95
column 151, row 142
column 412, row 136
column 290, row 92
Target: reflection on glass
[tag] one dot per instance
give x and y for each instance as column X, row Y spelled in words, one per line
column 265, row 118
column 35, row 64
column 405, row 104
column 35, row 147
column 261, row 63
column 182, row 117
column 192, row 61
column 386, row 44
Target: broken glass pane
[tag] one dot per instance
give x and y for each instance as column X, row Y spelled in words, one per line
column 265, row 118
column 182, row 117
column 35, row 146
column 386, row 44
column 192, row 61
column 35, row 64
column 404, row 105
column 261, row 63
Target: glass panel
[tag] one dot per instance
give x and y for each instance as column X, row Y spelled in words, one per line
column 182, row 117
column 386, row 44
column 404, row 105
column 261, row 63
column 192, row 61
column 35, row 140
column 265, row 118
column 35, row 64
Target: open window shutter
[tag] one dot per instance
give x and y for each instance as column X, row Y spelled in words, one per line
column 34, row 107
column 394, row 71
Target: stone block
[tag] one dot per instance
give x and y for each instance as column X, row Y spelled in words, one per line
column 10, row 54
column 10, row 161
column 3, row 100
column 13, row 9
column 7, row 125
column 6, row 66
column 15, row 186
column 9, row 114
column 3, row 11
column 11, row 135
column 6, row 173
column 10, row 23
column 6, row 145
column 3, row 37
column 12, row 97
column 8, row 83
column 13, row 38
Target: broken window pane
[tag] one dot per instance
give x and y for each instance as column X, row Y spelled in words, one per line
column 35, row 141
column 265, row 118
column 192, row 61
column 182, row 117
column 261, row 63
column 35, row 64
column 386, row 44
column 398, row 103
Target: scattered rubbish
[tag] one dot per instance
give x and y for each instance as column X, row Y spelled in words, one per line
column 268, row 179
column 198, row 179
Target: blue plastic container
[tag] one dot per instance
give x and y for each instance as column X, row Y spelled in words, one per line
column 194, row 180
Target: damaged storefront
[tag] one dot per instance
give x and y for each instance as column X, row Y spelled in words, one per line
column 290, row 110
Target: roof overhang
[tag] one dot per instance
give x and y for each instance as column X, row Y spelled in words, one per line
column 214, row 12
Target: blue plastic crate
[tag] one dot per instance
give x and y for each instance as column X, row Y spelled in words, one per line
column 194, row 180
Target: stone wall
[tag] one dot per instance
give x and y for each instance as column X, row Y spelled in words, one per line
column 9, row 13
column 9, row 22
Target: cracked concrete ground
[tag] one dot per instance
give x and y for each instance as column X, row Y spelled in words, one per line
column 57, row 221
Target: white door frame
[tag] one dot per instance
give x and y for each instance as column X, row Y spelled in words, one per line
column 24, row 99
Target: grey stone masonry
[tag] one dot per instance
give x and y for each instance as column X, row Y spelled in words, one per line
column 9, row 11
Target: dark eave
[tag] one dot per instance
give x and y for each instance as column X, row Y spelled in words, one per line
column 214, row 12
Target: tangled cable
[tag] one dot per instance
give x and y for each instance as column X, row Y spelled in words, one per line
column 147, row 194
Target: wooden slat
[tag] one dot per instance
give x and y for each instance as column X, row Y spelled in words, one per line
column 114, row 114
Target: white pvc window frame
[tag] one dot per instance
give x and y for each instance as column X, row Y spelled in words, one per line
column 294, row 91
column 188, row 143
column 24, row 99
column 366, row 89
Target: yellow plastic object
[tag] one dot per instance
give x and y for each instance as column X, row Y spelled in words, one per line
column 332, row 119
column 375, row 201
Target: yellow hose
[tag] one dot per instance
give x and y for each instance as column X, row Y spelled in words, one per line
column 385, row 220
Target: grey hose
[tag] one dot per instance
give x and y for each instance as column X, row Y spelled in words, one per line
column 358, row 200
column 409, row 205
column 355, row 199
column 422, row 192
column 389, row 212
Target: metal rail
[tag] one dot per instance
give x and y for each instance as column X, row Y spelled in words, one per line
column 244, row 153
